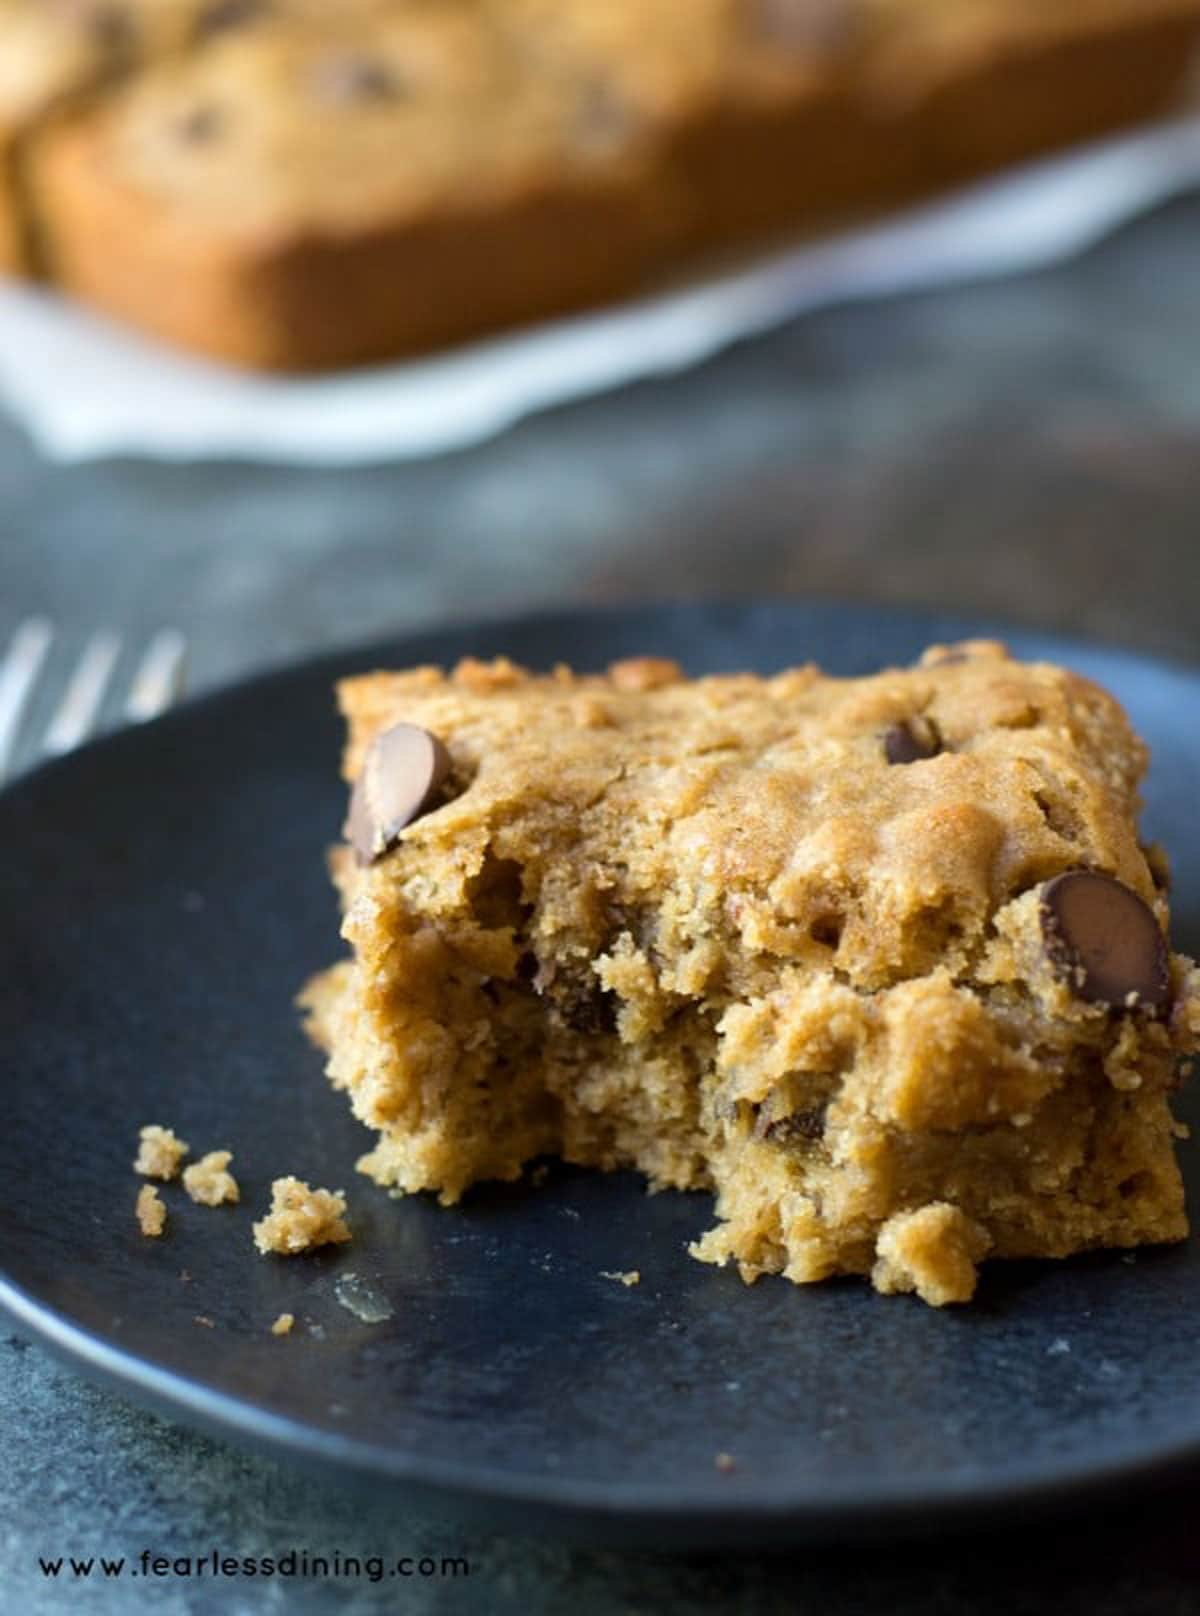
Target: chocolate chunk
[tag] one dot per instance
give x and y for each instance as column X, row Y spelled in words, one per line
column 582, row 1004
column 911, row 741
column 199, row 125
column 352, row 77
column 605, row 121
column 585, row 1007
column 401, row 778
column 1105, row 940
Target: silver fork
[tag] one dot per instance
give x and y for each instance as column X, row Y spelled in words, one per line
column 157, row 682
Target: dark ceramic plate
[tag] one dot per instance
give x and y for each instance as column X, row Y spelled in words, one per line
column 162, row 896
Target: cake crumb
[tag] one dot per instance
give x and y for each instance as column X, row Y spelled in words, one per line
column 629, row 1276
column 301, row 1219
column 203, row 1318
column 589, row 712
column 159, row 1152
column 151, row 1213
column 932, row 1251
column 208, row 1182
column 283, row 1324
column 644, row 673
column 725, row 1462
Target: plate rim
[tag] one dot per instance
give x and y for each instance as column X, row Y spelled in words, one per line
column 598, row 1510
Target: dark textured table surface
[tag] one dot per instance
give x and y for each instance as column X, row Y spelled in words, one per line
column 1029, row 450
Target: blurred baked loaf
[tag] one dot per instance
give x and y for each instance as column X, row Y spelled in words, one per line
column 317, row 197
column 299, row 184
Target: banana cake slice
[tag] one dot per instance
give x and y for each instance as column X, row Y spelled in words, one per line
column 881, row 962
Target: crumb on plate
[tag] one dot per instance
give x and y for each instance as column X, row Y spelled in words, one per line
column 159, row 1152
column 283, row 1324
column 151, row 1213
column 629, row 1276
column 208, row 1182
column 301, row 1218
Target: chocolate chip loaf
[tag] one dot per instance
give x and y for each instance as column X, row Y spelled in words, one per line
column 880, row 962
column 294, row 185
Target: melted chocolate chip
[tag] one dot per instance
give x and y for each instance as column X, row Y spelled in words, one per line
column 911, row 741
column 1104, row 941
column 801, row 1125
column 199, row 125
column 353, row 77
column 401, row 779
column 584, row 1007
column 604, row 121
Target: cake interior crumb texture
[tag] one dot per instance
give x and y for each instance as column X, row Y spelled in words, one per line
column 879, row 962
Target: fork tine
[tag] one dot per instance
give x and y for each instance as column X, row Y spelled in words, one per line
column 159, row 678
column 76, row 715
column 18, row 675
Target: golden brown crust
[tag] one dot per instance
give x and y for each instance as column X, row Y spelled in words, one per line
column 605, row 143
column 726, row 931
column 327, row 302
column 1071, row 76
column 14, row 256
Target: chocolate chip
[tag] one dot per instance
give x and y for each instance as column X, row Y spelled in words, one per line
column 199, row 125
column 801, row 1125
column 582, row 1005
column 592, row 1011
column 220, row 15
column 1104, row 940
column 110, row 26
column 604, row 122
column 401, row 778
column 804, row 25
column 353, row 77
column 911, row 741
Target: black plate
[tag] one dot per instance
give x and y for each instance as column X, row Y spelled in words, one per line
column 162, row 896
